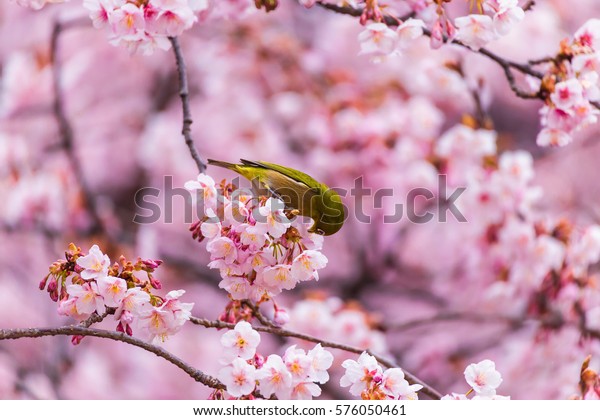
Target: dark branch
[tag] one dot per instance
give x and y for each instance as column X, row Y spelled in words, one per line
column 507, row 65
column 73, row 330
column 184, row 93
column 427, row 389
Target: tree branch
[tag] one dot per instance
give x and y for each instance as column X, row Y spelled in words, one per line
column 413, row 379
column 507, row 65
column 185, row 104
column 455, row 317
column 74, row 330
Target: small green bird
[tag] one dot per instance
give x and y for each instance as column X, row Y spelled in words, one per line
column 297, row 190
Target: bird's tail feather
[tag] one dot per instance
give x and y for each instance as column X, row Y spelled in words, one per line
column 222, row 164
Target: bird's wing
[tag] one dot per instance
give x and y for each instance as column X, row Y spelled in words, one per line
column 297, row 176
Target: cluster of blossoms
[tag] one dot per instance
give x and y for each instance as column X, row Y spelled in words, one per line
column 248, row 374
column 477, row 30
column 541, row 262
column 484, row 379
column 367, row 379
column 379, row 40
column 572, row 87
column 258, row 246
column 144, row 25
column 496, row 19
column 87, row 284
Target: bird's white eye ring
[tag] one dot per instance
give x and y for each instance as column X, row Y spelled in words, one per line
column 320, row 232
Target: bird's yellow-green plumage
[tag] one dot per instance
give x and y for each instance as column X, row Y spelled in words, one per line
column 297, row 190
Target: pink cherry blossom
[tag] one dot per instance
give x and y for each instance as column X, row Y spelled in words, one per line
column 181, row 311
column 359, row 374
column 408, row 31
column 476, row 31
column 239, row 377
column 306, row 264
column 567, row 94
column 508, row 14
column 95, row 264
column 279, row 277
column 298, row 363
column 321, row 362
column 224, row 248
column 553, row 137
column 377, row 40
column 173, row 17
column 305, row 391
column 88, row 298
column 240, row 342
column 68, row 307
column 158, row 323
column 274, row 378
column 398, row 388
column 589, row 34
column 134, row 301
column 483, row 377
column 112, row 289
column 99, row 11
column 127, row 19
column 205, row 185
column 272, row 217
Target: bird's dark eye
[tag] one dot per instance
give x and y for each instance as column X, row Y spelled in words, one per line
column 320, row 232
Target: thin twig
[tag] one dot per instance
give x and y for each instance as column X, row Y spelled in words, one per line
column 64, row 126
column 427, row 389
column 507, row 65
column 184, row 93
column 95, row 318
column 454, row 316
column 75, row 330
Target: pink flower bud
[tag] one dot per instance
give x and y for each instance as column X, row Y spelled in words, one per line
column 126, row 317
column 152, row 264
column 437, row 36
column 281, row 317
column 76, row 339
column 259, row 360
column 155, row 283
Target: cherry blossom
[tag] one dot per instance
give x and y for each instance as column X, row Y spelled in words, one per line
column 206, row 186
column 305, row 266
column 95, row 264
column 239, row 377
column 476, row 31
column 88, row 299
column 240, row 342
column 258, row 249
column 378, row 41
column 483, row 377
column 361, row 374
column 274, row 378
column 398, row 388
column 366, row 379
column 112, row 289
